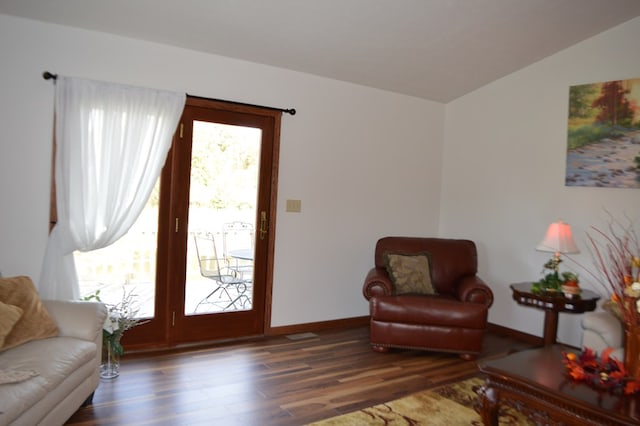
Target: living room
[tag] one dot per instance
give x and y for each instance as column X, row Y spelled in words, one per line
column 488, row 166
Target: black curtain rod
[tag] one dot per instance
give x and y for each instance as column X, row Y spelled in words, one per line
column 49, row 76
column 291, row 111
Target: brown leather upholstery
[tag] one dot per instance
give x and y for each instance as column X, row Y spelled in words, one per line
column 452, row 321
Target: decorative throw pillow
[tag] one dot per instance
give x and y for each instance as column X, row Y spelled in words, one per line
column 9, row 316
column 410, row 272
column 35, row 323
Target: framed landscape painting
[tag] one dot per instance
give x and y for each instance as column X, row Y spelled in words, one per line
column 603, row 138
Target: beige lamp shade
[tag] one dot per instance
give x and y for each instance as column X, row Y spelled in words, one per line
column 558, row 239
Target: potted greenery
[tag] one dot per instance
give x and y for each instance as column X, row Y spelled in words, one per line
column 551, row 283
column 554, row 282
column 570, row 278
column 570, row 286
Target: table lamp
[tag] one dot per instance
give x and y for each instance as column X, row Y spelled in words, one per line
column 558, row 240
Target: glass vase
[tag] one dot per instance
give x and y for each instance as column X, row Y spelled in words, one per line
column 632, row 349
column 110, row 367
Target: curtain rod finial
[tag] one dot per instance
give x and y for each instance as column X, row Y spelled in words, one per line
column 49, row 76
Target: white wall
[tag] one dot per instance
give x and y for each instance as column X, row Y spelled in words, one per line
column 365, row 163
column 504, row 165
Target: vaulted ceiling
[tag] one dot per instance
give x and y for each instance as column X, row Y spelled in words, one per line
column 432, row 49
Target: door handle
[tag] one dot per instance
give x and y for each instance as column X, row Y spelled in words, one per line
column 263, row 224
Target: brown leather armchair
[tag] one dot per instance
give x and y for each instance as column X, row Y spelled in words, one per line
column 453, row 320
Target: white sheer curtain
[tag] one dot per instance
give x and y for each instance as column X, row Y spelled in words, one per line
column 112, row 141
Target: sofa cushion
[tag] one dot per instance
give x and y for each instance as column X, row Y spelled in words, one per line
column 35, row 323
column 55, row 360
column 410, row 272
column 9, row 316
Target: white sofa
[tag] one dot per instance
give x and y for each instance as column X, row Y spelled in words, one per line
column 67, row 367
column 602, row 330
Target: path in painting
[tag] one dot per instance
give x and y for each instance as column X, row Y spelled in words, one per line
column 608, row 163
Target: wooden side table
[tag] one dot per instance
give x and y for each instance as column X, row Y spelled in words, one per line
column 552, row 304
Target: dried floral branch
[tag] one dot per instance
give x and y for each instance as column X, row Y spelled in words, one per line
column 122, row 316
column 616, row 257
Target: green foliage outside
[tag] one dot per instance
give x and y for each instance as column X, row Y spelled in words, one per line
column 224, row 167
column 224, row 164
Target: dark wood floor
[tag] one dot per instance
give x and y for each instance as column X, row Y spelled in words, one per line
column 287, row 380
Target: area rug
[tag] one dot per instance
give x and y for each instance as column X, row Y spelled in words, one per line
column 448, row 405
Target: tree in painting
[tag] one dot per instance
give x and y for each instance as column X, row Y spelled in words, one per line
column 580, row 101
column 613, row 104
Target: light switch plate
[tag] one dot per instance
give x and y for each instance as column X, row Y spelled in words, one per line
column 294, row 206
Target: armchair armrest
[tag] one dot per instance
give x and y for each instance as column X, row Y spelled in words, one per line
column 473, row 289
column 377, row 283
column 82, row 320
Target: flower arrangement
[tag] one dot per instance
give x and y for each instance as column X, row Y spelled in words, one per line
column 616, row 254
column 121, row 317
column 605, row 372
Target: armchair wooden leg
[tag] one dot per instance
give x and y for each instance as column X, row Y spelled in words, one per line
column 381, row 349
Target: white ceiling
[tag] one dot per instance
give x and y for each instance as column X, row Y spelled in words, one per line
column 433, row 49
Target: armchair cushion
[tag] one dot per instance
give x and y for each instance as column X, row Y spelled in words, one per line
column 410, row 273
column 437, row 312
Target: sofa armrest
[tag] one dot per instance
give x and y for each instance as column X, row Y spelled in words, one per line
column 377, row 283
column 604, row 326
column 82, row 320
column 473, row 289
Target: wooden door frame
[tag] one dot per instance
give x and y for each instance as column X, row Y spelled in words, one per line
column 163, row 301
column 273, row 201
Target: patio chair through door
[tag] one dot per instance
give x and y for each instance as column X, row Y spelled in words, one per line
column 238, row 245
column 229, row 287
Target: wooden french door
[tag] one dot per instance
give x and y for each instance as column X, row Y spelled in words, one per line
column 199, row 198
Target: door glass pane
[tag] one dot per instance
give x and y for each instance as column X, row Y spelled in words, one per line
column 222, row 214
column 128, row 266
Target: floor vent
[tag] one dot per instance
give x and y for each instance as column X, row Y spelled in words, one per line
column 301, row 336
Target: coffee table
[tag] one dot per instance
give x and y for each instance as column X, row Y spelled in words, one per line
column 534, row 383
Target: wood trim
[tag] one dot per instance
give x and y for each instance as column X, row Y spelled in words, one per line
column 318, row 326
column 53, row 197
column 515, row 334
column 338, row 324
column 273, row 208
column 364, row 320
